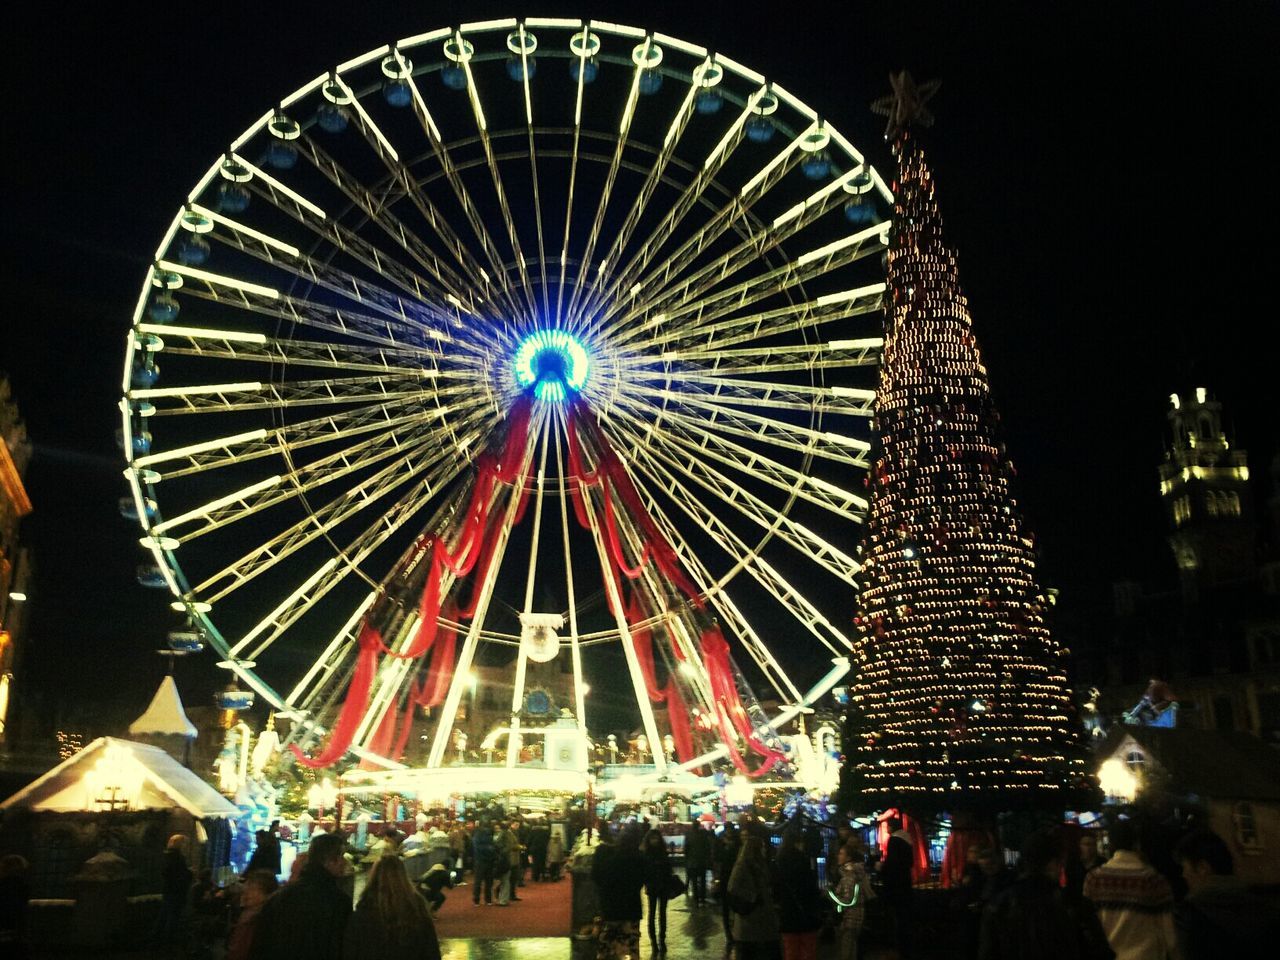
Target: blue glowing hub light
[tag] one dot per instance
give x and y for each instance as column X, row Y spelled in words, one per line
column 553, row 364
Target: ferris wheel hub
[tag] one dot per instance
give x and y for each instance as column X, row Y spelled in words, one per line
column 552, row 363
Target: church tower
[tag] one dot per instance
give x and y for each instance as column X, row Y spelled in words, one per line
column 1204, row 485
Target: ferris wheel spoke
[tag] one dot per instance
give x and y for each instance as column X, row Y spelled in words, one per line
column 661, row 459
column 713, row 525
column 714, row 591
column 253, row 444
column 335, row 570
column 445, row 280
column 666, row 228
column 268, row 302
column 254, row 395
column 593, row 237
column 408, row 185
column 709, row 338
column 659, row 284
column 835, row 354
column 441, row 467
column 659, row 464
column 653, row 178
column 469, row 208
column 847, row 401
column 321, row 672
column 579, row 99
column 482, row 126
column 756, row 466
column 312, row 217
column 763, row 429
column 713, row 306
column 394, row 362
column 526, row 89
column 307, row 478
column 290, row 259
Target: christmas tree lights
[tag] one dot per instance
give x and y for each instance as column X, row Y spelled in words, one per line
column 960, row 697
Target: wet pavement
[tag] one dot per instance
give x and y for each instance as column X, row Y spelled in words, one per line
column 691, row 932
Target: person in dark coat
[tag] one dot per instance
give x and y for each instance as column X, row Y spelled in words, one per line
column 697, row 860
column 175, row 885
column 15, row 906
column 895, row 882
column 800, row 905
column 484, row 859
column 308, row 917
column 727, row 846
column 256, row 888
column 1220, row 917
column 657, row 880
column 1033, row 920
column 618, row 870
column 266, row 855
column 433, row 884
column 392, row 920
column 539, row 838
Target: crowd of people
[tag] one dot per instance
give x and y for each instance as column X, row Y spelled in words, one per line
column 1059, row 900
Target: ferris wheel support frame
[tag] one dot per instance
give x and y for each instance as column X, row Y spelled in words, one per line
column 624, row 630
column 575, row 646
column 514, row 740
column 462, row 669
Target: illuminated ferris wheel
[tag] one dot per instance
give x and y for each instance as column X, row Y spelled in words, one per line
column 541, row 337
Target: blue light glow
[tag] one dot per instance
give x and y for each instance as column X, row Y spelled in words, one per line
column 553, row 363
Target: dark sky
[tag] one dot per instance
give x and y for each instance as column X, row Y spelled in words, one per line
column 1104, row 175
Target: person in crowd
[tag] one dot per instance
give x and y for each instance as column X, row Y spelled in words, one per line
column 986, row 877
column 207, row 908
column 417, row 842
column 392, row 920
column 517, row 860
column 506, row 846
column 1032, row 920
column 657, row 882
column 386, row 845
column 266, row 853
column 458, row 841
column 727, row 847
column 851, row 894
column 895, row 882
column 15, row 901
column 800, row 904
column 1134, row 902
column 755, row 915
column 539, row 839
column 308, row 917
column 484, row 858
column 1220, row 917
column 439, row 849
column 523, row 832
column 256, row 887
column 555, row 855
column 295, row 869
column 175, row 885
column 433, row 884
column 697, row 860
column 618, row 872
column 1079, row 867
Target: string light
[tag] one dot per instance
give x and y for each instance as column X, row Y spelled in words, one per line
column 961, row 692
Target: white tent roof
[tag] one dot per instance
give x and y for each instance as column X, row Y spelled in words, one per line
column 143, row 775
column 165, row 716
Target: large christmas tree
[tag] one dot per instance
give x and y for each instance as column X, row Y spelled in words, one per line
column 960, row 697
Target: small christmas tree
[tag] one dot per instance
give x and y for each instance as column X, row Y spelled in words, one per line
column 960, row 695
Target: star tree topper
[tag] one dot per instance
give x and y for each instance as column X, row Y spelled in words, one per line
column 905, row 105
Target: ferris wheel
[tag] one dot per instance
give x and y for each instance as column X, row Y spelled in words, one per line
column 541, row 336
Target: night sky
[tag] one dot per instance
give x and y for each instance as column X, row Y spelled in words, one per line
column 1103, row 174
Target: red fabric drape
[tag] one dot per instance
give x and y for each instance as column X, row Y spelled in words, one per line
column 369, row 642
column 919, row 849
column 380, row 742
column 961, row 841
column 731, row 716
column 472, row 548
column 678, row 716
